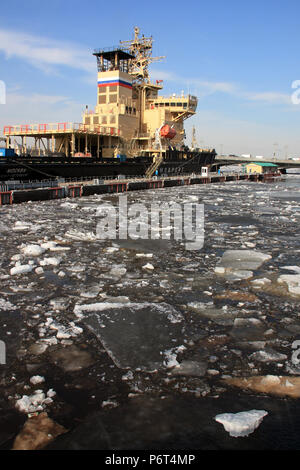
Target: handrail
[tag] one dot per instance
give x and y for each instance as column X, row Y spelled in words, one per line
column 60, row 127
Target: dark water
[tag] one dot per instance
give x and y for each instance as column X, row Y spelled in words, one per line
column 146, row 368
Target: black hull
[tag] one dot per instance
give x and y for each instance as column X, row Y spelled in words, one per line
column 41, row 168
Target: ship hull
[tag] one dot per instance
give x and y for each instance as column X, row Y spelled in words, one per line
column 41, row 168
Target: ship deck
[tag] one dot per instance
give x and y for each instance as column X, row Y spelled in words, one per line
column 58, row 129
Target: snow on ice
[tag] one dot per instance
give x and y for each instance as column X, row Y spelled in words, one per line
column 243, row 423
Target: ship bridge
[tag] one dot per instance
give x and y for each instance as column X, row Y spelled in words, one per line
column 182, row 106
column 113, row 58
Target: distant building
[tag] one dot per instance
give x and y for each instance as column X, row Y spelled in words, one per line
column 259, row 167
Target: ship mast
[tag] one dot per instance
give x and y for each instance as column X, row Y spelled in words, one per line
column 141, row 49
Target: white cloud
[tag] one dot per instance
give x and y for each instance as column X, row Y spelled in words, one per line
column 46, row 54
column 204, row 88
column 269, row 97
column 49, row 54
column 38, row 108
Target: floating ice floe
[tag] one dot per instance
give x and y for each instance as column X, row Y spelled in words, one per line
column 128, row 376
column 220, row 316
column 53, row 246
column 151, row 334
column 109, row 404
column 236, row 265
column 190, row 368
column 51, row 261
column 59, row 303
column 37, row 379
column 69, row 205
column 296, row 269
column 21, row 269
column 6, row 305
column 63, row 332
column 250, row 244
column 148, row 266
column 170, row 356
column 292, row 281
column 111, row 249
column 33, row 250
column 263, row 281
column 243, row 423
column 118, row 271
column 81, row 236
column 270, row 384
column 36, row 402
column 91, row 292
column 268, row 356
column 79, row 310
column 38, row 348
column 25, row 226
column 39, row 270
column 16, row 257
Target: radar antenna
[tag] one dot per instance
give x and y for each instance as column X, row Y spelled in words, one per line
column 141, row 49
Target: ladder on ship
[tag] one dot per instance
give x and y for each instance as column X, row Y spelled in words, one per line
column 155, row 165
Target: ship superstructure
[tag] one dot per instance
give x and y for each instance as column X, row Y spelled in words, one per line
column 128, row 101
column 128, row 113
column 131, row 124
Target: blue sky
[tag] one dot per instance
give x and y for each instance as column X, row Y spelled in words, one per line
column 239, row 58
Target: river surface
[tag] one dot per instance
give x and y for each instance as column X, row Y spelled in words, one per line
column 139, row 344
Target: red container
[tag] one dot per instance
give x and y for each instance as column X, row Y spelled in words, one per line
column 167, row 132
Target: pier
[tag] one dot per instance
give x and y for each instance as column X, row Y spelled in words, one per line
column 60, row 189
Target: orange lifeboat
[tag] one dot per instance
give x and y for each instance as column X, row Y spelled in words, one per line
column 167, row 132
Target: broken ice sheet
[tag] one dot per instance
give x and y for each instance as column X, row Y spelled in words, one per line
column 238, row 264
column 292, row 281
column 243, row 423
column 135, row 335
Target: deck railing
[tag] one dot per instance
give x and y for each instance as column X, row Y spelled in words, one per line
column 59, row 128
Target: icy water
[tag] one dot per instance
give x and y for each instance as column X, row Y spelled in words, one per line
column 139, row 344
